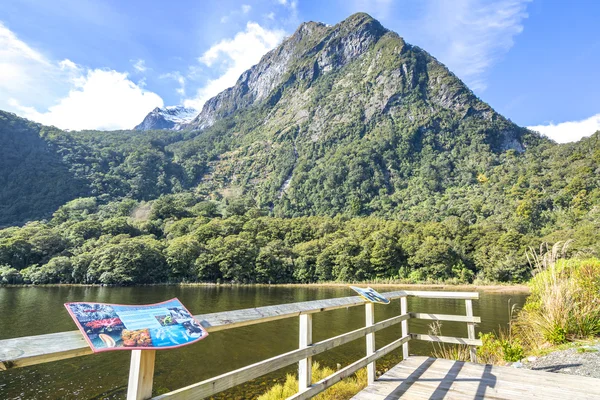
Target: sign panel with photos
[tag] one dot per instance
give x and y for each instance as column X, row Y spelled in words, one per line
column 158, row 326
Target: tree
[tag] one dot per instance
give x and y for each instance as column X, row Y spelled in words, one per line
column 181, row 255
column 274, row 263
column 15, row 252
column 234, row 256
column 77, row 210
column 9, row 275
column 131, row 261
column 434, row 259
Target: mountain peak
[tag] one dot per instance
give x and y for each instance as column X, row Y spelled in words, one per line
column 313, row 50
column 170, row 117
column 359, row 18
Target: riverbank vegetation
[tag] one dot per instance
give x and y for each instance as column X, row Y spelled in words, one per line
column 179, row 239
column 564, row 304
column 562, row 310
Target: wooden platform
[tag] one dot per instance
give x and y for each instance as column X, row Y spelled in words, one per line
column 431, row 378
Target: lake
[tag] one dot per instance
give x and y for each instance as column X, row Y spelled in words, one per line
column 39, row 310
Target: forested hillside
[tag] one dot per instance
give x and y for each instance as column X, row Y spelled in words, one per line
column 35, row 178
column 402, row 170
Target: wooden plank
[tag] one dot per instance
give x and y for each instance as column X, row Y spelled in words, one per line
column 305, row 365
column 444, row 317
column 141, row 374
column 471, row 329
column 349, row 370
column 228, row 380
column 31, row 350
column 440, row 294
column 404, row 310
column 446, row 339
column 427, row 378
column 518, row 376
column 370, row 340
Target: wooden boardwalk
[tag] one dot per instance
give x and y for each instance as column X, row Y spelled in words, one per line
column 431, row 378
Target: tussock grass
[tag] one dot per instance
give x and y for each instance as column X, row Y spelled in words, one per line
column 564, row 304
column 340, row 391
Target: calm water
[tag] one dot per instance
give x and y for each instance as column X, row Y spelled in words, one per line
column 39, row 310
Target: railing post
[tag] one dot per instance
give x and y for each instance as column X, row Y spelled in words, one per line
column 305, row 366
column 404, row 310
column 141, row 374
column 370, row 320
column 471, row 329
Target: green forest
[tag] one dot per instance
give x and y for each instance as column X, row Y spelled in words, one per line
column 178, row 238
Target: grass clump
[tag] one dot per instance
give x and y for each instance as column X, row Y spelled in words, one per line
column 340, row 391
column 458, row 352
column 564, row 304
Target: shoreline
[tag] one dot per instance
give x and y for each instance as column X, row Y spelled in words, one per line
column 491, row 288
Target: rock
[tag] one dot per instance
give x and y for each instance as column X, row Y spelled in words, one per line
column 531, row 358
column 517, row 364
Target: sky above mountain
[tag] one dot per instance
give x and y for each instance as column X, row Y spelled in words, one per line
column 91, row 64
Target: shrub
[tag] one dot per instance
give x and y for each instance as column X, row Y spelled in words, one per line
column 512, row 350
column 491, row 351
column 496, row 350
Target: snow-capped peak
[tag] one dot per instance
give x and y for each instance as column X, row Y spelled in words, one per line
column 170, row 117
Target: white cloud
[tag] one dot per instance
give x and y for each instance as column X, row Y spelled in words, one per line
column 176, row 76
column 232, row 57
column 570, row 131
column 100, row 99
column 65, row 94
column 271, row 16
column 26, row 73
column 140, row 65
column 469, row 36
column 246, row 8
column 292, row 5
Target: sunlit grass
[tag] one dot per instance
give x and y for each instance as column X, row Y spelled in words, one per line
column 564, row 304
column 340, row 391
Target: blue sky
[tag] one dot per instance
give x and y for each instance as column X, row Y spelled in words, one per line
column 93, row 64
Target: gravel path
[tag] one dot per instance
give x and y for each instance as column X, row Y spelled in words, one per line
column 569, row 361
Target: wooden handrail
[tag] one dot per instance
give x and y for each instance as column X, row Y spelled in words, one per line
column 31, row 350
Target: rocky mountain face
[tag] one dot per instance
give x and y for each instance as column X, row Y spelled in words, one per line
column 313, row 49
column 170, row 117
column 350, row 108
column 390, row 70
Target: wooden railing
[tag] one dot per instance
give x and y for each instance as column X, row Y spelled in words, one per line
column 31, row 350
